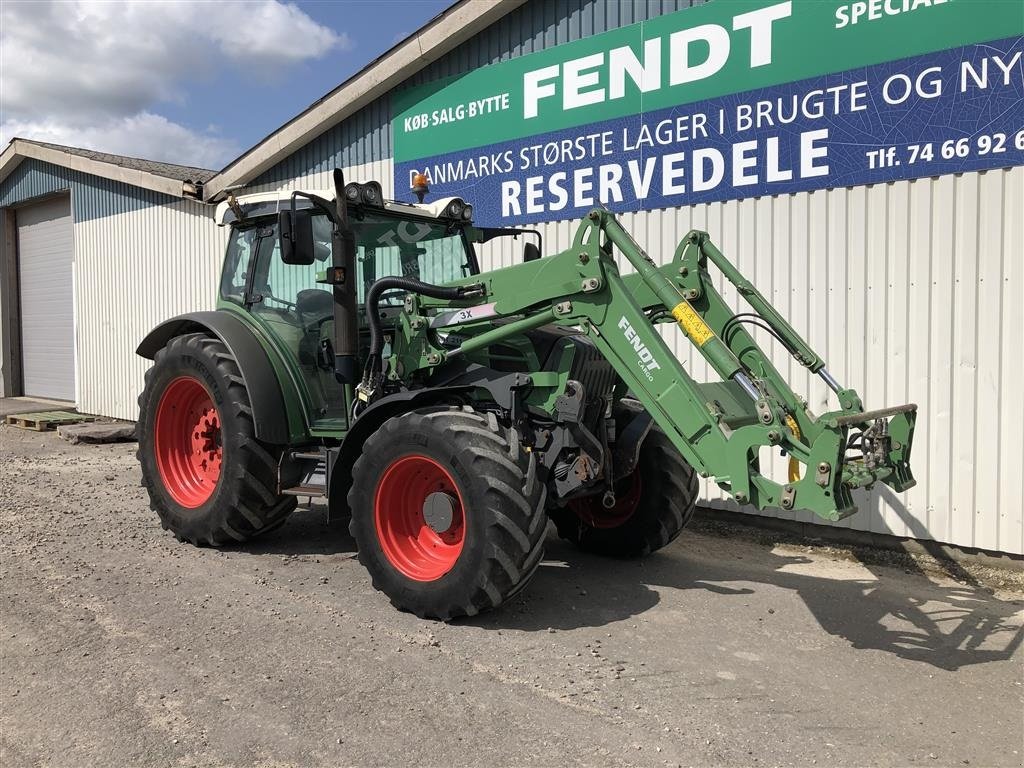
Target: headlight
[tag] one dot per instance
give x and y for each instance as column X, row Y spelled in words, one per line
column 467, row 213
column 364, row 194
column 455, row 208
column 372, row 193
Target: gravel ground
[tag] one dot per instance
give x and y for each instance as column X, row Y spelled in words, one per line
column 119, row 646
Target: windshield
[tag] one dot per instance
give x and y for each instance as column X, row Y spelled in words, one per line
column 429, row 251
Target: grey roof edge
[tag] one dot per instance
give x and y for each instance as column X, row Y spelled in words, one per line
column 156, row 167
column 440, row 35
column 170, row 179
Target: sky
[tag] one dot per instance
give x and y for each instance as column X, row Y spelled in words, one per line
column 195, row 83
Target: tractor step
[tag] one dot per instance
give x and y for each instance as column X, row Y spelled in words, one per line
column 304, row 490
column 314, row 484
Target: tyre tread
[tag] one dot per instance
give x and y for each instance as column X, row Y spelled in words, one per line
column 514, row 504
column 254, row 506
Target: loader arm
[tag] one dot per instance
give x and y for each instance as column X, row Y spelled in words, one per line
column 718, row 427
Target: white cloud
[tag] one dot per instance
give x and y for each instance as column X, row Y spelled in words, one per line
column 96, row 72
column 272, row 34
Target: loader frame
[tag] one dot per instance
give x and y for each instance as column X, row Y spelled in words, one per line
column 718, row 427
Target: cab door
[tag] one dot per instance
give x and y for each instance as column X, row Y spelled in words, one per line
column 298, row 315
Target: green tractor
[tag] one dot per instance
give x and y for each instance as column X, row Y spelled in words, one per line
column 358, row 353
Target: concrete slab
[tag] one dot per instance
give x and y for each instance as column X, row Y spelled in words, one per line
column 98, row 432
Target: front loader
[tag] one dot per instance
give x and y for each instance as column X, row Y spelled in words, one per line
column 358, row 353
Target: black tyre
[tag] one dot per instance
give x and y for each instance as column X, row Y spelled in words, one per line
column 209, row 479
column 652, row 507
column 447, row 512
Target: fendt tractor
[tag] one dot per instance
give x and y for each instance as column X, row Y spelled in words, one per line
column 358, row 353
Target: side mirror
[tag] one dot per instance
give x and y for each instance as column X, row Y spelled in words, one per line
column 530, row 252
column 296, row 230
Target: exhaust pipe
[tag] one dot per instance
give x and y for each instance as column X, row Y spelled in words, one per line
column 346, row 320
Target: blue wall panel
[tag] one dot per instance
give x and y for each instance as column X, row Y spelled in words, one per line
column 92, row 196
column 535, row 26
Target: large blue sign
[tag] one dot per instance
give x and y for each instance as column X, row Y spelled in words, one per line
column 947, row 112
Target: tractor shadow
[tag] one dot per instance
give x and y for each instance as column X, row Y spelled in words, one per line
column 711, row 569
column 895, row 609
column 305, row 532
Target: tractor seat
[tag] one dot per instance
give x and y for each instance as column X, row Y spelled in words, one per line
column 314, row 302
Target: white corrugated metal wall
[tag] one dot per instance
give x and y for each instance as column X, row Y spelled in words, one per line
column 911, row 292
column 133, row 270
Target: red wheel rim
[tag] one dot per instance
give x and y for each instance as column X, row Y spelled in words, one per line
column 409, row 543
column 189, row 449
column 591, row 511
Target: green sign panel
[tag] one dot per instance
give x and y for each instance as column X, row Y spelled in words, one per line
column 720, row 48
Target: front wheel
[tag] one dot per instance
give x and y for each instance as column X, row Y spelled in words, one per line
column 447, row 512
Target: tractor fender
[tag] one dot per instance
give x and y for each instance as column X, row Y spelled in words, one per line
column 268, row 403
column 369, row 422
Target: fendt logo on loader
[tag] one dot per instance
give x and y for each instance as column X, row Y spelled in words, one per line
column 646, row 360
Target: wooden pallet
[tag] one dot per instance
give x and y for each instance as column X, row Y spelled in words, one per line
column 41, row 421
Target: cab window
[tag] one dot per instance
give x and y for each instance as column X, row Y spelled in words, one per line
column 429, row 251
column 237, row 261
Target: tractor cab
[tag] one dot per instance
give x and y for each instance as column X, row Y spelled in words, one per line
column 289, row 291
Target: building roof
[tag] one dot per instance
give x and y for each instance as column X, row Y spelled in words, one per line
column 168, row 170
column 440, row 35
column 171, row 179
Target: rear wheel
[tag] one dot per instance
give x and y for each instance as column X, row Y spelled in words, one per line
column 209, row 479
column 447, row 512
column 652, row 505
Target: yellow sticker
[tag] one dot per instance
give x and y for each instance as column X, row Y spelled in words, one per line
column 692, row 323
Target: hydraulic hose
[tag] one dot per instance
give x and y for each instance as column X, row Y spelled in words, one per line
column 373, row 360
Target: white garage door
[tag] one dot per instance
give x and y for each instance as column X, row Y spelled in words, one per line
column 45, row 248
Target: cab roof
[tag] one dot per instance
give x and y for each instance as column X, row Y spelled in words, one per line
column 270, row 203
